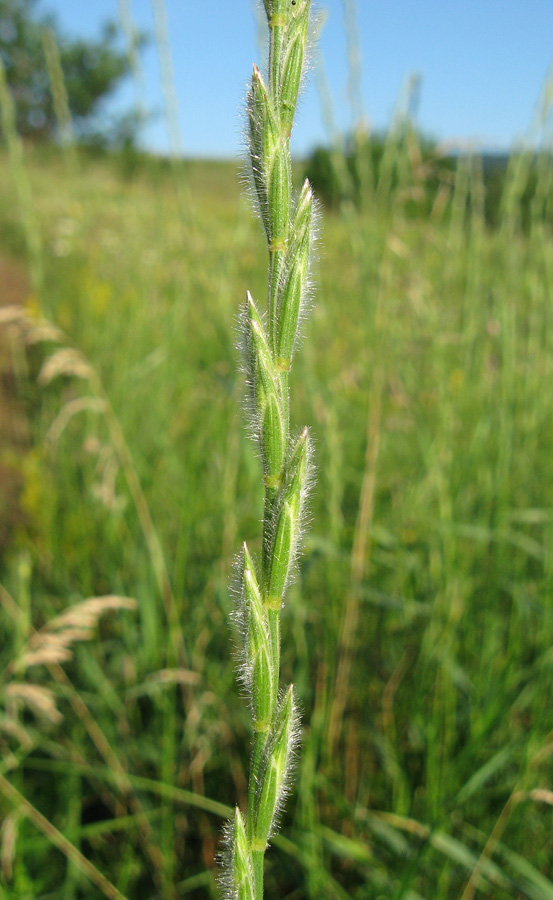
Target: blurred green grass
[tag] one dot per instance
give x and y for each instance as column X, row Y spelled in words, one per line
column 419, row 632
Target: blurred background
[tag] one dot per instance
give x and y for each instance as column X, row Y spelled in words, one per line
column 419, row 631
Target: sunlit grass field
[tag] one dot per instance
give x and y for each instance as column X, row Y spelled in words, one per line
column 419, row 633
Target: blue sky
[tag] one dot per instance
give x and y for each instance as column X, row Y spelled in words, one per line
column 482, row 65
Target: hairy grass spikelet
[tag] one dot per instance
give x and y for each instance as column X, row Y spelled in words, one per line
column 275, row 773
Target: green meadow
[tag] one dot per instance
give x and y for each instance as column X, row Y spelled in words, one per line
column 419, row 630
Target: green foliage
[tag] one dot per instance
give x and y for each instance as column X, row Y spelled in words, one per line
column 91, row 71
column 426, row 372
column 355, row 175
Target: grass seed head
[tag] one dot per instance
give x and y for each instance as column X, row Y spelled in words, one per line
column 65, row 362
column 39, row 699
column 286, row 463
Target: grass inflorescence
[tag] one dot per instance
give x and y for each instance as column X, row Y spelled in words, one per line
column 269, row 342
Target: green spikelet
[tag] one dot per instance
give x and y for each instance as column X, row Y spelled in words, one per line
column 260, row 663
column 271, row 425
column 242, row 872
column 287, row 523
column 275, row 772
column 292, row 295
column 264, row 137
column 280, row 196
column 293, row 65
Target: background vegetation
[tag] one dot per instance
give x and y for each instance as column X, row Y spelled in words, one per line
column 60, row 84
column 419, row 634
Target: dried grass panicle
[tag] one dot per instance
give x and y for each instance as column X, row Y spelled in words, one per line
column 68, row 411
column 8, row 836
column 44, row 332
column 269, row 341
column 12, row 315
column 69, row 362
column 174, row 676
column 39, row 699
column 34, row 331
column 86, row 613
column 66, row 361
column 52, row 645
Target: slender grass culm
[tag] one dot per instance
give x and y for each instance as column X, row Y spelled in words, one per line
column 268, row 347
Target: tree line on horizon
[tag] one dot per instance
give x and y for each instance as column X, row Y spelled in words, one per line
column 368, row 166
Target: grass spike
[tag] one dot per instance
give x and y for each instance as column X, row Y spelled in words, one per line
column 288, row 229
